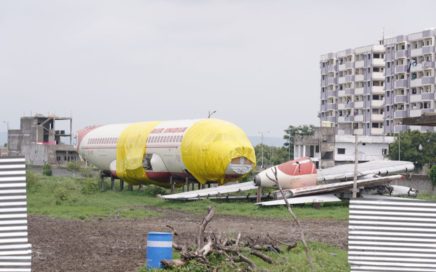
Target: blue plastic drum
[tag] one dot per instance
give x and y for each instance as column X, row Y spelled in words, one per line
column 159, row 247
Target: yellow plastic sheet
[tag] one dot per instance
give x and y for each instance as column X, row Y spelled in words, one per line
column 131, row 147
column 209, row 146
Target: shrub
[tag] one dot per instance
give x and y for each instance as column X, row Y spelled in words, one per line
column 152, row 190
column 89, row 187
column 73, row 166
column 32, row 182
column 46, row 170
column 86, row 172
column 68, row 191
column 432, row 175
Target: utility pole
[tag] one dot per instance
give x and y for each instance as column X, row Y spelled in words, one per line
column 399, row 146
column 261, row 148
column 356, row 159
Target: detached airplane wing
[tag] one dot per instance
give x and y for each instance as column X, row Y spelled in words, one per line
column 314, row 194
column 302, row 200
column 346, row 171
column 204, row 193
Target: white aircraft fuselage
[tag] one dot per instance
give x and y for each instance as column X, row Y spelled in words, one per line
column 168, row 151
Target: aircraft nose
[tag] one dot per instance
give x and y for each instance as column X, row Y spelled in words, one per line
column 257, row 180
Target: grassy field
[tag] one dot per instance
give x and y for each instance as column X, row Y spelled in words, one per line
column 75, row 198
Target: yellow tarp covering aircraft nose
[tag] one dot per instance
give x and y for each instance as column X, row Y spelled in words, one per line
column 131, row 148
column 209, row 146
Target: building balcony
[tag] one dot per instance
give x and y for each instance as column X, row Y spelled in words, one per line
column 342, row 67
column 400, row 99
column 400, row 114
column 377, row 117
column 400, row 69
column 377, row 90
column 349, row 78
column 377, row 131
column 349, row 105
column 399, row 128
column 378, row 62
column 358, row 91
column 331, row 119
column 399, row 54
column 377, row 76
column 422, row 66
column 345, row 119
column 331, row 93
column 331, row 81
column 349, row 91
column 358, row 104
column 359, row 64
column 421, row 51
column 331, row 69
column 416, row 52
column 358, row 131
column 377, row 103
column 323, row 70
column 428, row 96
column 415, row 113
column 359, row 78
column 415, row 98
column 358, row 118
column 341, row 80
column 415, row 82
column 400, row 83
column 331, row 106
column 427, row 80
column 341, row 106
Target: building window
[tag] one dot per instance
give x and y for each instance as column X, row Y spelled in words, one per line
column 341, row 151
column 385, row 151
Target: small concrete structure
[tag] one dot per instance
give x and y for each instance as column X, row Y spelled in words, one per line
column 40, row 142
column 327, row 149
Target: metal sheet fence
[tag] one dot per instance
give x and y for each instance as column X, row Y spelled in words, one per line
column 15, row 250
column 392, row 235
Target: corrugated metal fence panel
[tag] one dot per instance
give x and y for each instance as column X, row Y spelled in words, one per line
column 392, row 235
column 15, row 250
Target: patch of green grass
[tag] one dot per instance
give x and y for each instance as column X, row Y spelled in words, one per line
column 79, row 198
column 430, row 197
column 73, row 198
column 324, row 258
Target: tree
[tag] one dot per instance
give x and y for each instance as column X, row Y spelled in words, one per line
column 272, row 155
column 432, row 175
column 291, row 131
column 414, row 146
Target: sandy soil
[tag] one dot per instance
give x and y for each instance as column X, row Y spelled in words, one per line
column 118, row 244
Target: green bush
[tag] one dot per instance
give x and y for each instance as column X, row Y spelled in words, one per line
column 86, row 172
column 73, row 166
column 89, row 187
column 46, row 170
column 67, row 192
column 32, row 181
column 152, row 190
column 432, row 175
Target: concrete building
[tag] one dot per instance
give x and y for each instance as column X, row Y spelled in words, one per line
column 40, row 142
column 367, row 90
column 410, row 79
column 327, row 149
column 320, row 147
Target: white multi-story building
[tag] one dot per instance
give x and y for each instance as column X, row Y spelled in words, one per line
column 366, row 90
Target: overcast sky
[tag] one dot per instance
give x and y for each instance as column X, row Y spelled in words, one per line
column 255, row 62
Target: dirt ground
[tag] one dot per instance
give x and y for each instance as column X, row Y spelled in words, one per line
column 119, row 244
